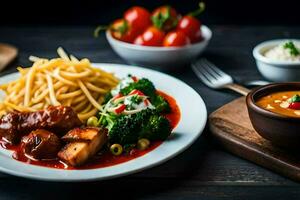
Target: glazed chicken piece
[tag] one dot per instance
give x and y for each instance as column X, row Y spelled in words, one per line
column 41, row 144
column 83, row 143
column 58, row 119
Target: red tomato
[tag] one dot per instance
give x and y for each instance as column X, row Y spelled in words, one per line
column 295, row 105
column 138, row 17
column 120, row 108
column 152, row 36
column 164, row 18
column 190, row 26
column 121, row 30
column 175, row 39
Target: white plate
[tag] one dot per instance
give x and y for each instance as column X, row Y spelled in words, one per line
column 190, row 127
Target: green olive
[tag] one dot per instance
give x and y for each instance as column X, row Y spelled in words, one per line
column 92, row 121
column 143, row 144
column 116, row 149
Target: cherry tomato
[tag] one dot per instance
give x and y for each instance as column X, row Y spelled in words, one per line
column 164, row 18
column 295, row 105
column 138, row 17
column 191, row 27
column 121, row 30
column 175, row 39
column 152, row 36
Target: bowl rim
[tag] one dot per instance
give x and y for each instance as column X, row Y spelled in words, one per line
column 271, row 43
column 207, row 35
column 251, row 102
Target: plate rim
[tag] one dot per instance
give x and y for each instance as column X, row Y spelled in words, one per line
column 113, row 66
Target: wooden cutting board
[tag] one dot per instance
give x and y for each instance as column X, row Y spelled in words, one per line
column 231, row 127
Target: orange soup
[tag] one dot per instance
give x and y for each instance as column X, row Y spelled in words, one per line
column 285, row 103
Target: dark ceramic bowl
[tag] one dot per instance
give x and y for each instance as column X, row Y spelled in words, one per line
column 280, row 129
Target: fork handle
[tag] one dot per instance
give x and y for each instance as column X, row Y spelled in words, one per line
column 237, row 88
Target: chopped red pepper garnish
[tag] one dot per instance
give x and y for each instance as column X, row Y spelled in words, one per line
column 135, row 79
column 138, row 92
column 146, row 102
column 120, row 108
column 295, row 105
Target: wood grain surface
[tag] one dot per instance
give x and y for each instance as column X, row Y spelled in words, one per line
column 231, row 126
column 206, row 170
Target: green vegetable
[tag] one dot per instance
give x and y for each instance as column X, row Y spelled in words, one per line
column 128, row 147
column 295, row 98
column 92, row 121
column 128, row 129
column 116, row 149
column 144, row 85
column 147, row 87
column 143, row 144
column 134, row 100
column 293, row 49
column 107, row 97
column 124, row 130
column 161, row 105
column 156, row 128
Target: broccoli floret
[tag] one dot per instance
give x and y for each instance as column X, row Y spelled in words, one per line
column 156, row 128
column 161, row 105
column 107, row 97
column 143, row 85
column 125, row 130
column 148, row 89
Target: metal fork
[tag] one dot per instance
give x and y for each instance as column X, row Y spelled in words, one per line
column 215, row 78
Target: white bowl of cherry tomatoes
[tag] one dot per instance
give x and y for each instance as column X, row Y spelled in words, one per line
column 162, row 39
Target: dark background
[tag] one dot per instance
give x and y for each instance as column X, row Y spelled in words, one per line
column 88, row 12
column 204, row 171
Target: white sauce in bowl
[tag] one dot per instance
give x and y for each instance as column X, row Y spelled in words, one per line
column 281, row 53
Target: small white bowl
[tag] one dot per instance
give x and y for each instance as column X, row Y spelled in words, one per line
column 160, row 57
column 278, row 71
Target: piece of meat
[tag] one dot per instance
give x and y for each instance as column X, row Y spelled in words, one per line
column 58, row 119
column 78, row 152
column 80, row 135
column 41, row 144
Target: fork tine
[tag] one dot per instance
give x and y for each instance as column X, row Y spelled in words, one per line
column 206, row 72
column 200, row 75
column 209, row 69
column 214, row 67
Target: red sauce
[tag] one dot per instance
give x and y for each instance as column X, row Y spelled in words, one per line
column 102, row 159
column 174, row 115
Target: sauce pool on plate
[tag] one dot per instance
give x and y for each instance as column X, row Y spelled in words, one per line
column 103, row 158
column 285, row 103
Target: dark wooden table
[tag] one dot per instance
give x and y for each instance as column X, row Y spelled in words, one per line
column 205, row 170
